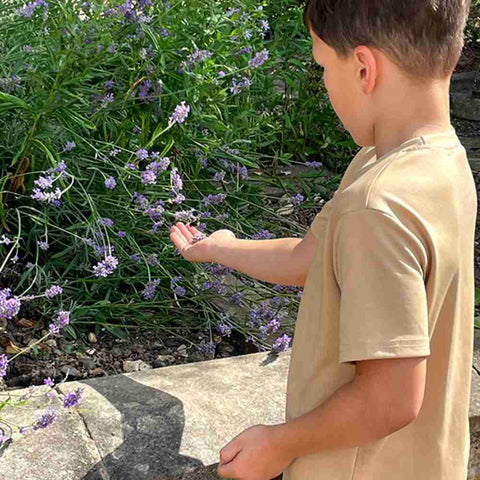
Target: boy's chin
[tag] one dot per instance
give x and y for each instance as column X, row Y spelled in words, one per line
column 362, row 139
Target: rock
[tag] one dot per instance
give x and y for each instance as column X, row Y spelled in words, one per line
column 474, row 164
column 172, row 342
column 163, row 361
column 196, row 357
column 72, row 371
column 92, row 338
column 182, row 350
column 90, row 351
column 468, row 109
column 461, row 86
column 51, row 343
column 116, row 351
column 32, row 341
column 225, row 349
column 135, row 366
column 88, row 363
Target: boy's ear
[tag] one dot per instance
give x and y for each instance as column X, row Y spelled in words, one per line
column 366, row 68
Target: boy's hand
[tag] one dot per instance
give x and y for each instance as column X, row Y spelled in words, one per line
column 254, row 454
column 201, row 251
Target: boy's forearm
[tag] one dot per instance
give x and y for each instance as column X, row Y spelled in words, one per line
column 347, row 419
column 265, row 260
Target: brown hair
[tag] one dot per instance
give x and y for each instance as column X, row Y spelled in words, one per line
column 423, row 37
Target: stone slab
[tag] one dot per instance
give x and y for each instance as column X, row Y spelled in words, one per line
column 167, row 423
column 470, row 142
column 462, row 83
column 468, row 109
column 474, row 164
column 171, row 422
column 62, row 451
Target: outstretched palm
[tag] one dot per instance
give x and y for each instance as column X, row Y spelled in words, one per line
column 202, row 251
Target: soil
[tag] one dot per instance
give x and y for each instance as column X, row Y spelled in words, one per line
column 108, row 355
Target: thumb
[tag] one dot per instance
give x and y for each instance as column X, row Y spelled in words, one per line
column 228, row 453
column 227, row 466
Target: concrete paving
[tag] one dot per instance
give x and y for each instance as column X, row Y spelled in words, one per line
column 164, row 424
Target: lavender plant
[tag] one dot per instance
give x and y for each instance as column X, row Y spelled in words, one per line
column 123, row 117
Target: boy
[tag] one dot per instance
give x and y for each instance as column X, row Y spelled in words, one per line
column 380, row 371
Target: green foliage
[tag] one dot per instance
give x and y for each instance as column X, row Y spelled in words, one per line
column 53, row 90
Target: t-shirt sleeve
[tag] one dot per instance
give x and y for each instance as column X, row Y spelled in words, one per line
column 379, row 266
column 320, row 221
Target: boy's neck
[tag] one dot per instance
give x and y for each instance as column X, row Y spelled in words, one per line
column 409, row 111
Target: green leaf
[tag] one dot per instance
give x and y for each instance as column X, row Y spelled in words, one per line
column 8, row 101
column 71, row 331
column 167, row 148
column 477, row 296
column 115, row 331
column 2, row 404
column 77, row 119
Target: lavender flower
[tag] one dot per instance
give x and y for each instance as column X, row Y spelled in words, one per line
column 180, row 113
column 238, row 87
column 135, row 257
column 5, row 240
column 281, row 344
column 9, row 307
column 263, row 234
column 297, row 199
column 44, row 182
column 114, row 152
column 142, row 154
column 207, row 348
column 62, row 319
column 42, row 245
column 198, row 56
column 69, row 146
column 314, row 164
column 29, row 8
column 3, row 365
column 224, row 329
column 219, row 176
column 72, row 399
column 27, row 48
column 214, row 199
column 107, row 267
column 61, row 167
column 48, row 381
column 148, row 177
column 150, row 288
column 121, row 233
column 48, row 197
column 110, row 183
column 48, row 418
column 236, row 298
column 259, row 59
column 53, row 291
column 106, row 221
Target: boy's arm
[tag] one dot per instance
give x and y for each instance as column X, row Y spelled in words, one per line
column 359, row 412
column 284, row 261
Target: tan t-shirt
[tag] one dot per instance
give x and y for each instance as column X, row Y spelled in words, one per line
column 392, row 277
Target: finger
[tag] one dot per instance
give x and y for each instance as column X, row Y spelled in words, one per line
column 178, row 240
column 226, row 470
column 194, row 230
column 186, row 233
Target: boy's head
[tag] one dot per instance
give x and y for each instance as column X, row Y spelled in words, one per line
column 364, row 45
